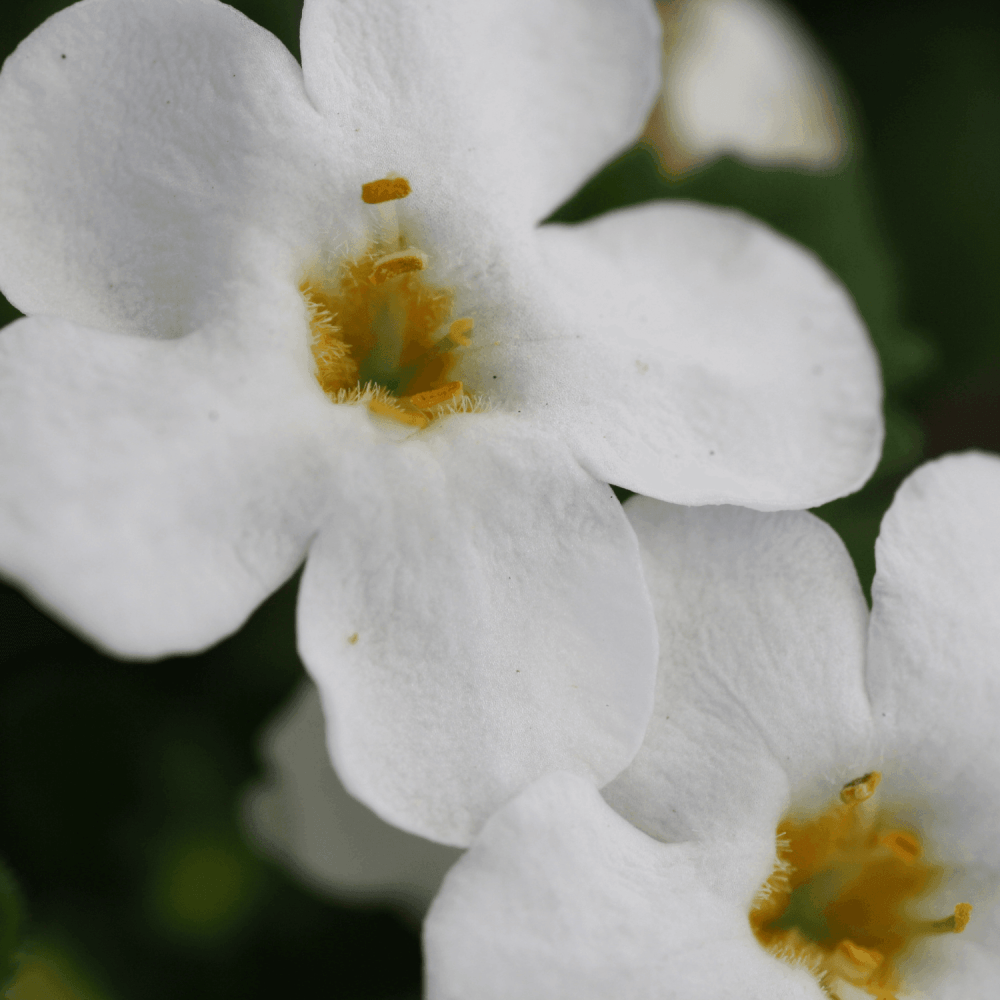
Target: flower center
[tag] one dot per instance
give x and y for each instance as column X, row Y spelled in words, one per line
column 381, row 334
column 838, row 899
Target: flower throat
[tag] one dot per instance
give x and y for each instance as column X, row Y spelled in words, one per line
column 837, row 900
column 378, row 330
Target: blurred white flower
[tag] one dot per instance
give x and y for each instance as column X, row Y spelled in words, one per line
column 743, row 78
column 248, row 343
column 871, row 749
column 303, row 817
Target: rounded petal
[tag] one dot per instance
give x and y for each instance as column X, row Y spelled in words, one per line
column 509, row 103
column 153, row 492
column 302, row 815
column 759, row 696
column 692, row 354
column 743, row 77
column 148, row 150
column 934, row 673
column 561, row 899
column 484, row 622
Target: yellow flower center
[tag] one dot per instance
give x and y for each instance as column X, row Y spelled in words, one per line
column 381, row 335
column 838, row 900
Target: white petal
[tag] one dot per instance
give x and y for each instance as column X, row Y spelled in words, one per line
column 953, row 968
column 483, row 623
column 511, row 104
column 743, row 77
column 561, row 899
column 302, row 815
column 762, row 630
column 694, row 355
column 934, row 672
column 148, row 150
column 153, row 492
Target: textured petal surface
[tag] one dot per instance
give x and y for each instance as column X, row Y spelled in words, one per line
column 759, row 694
column 153, row 492
column 302, row 815
column 561, row 899
column 151, row 152
column 511, row 104
column 694, row 355
column 483, row 623
column 934, row 669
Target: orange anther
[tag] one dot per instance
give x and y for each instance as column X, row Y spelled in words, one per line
column 435, row 397
column 459, row 331
column 387, row 189
column 963, row 911
column 392, row 265
column 860, row 788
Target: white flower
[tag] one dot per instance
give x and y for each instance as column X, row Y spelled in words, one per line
column 184, row 415
column 743, row 78
column 301, row 815
column 774, row 694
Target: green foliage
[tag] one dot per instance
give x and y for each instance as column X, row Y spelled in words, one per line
column 11, row 920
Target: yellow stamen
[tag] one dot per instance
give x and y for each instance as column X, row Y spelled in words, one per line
column 459, row 331
column 386, row 409
column 387, row 189
column 435, row 397
column 854, row 963
column 860, row 788
column 392, row 265
column 954, row 924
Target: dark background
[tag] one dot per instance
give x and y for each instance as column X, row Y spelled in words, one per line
column 119, row 783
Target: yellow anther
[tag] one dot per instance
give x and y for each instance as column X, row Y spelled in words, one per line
column 903, row 845
column 435, row 397
column 387, row 189
column 459, row 331
column 854, row 963
column 860, row 789
column 392, row 265
column 963, row 911
column 353, row 638
column 385, row 409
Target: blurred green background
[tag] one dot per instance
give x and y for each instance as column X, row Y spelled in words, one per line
column 122, row 870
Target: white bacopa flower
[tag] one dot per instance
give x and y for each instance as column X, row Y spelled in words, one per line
column 743, row 78
column 870, row 747
column 278, row 312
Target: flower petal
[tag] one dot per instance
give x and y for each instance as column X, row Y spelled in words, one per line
column 694, row 355
column 485, row 622
column 302, row 815
column 153, row 492
column 933, row 671
column 512, row 105
column 743, row 77
column 762, row 630
column 147, row 151
column 561, row 899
